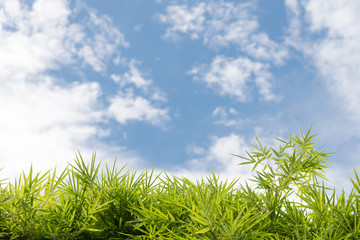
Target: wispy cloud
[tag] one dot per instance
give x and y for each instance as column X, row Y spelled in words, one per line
column 235, row 77
column 132, row 76
column 184, row 20
column 104, row 43
column 41, row 36
column 126, row 106
column 327, row 33
column 335, row 52
column 228, row 118
column 220, row 24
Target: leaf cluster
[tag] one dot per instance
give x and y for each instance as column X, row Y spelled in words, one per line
column 287, row 200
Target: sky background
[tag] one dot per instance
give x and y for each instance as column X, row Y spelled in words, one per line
column 179, row 84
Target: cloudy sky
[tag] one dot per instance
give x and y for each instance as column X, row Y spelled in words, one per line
column 180, row 84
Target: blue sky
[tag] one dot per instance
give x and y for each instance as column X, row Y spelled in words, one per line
column 179, row 84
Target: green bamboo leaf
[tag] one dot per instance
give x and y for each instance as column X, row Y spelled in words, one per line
column 356, row 184
column 204, row 230
column 93, row 230
column 265, row 167
column 24, row 204
column 6, row 199
column 199, row 219
column 256, row 164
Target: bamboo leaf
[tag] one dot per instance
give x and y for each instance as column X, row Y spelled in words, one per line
column 204, row 230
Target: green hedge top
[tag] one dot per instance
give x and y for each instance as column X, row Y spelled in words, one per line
column 86, row 202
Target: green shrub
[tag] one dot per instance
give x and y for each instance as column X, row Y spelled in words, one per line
column 83, row 202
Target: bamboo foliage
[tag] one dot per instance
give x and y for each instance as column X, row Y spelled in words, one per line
column 87, row 202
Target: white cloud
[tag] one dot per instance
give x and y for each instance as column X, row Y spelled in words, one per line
column 133, row 76
column 218, row 157
column 158, row 95
column 25, row 47
column 297, row 36
column 223, row 147
column 126, row 107
column 43, row 121
column 221, row 23
column 233, row 77
column 337, row 56
column 99, row 48
column 218, row 154
column 328, row 33
column 228, row 118
column 45, row 124
column 184, row 20
column 40, row 37
column 322, row 15
column 119, row 60
column 294, row 13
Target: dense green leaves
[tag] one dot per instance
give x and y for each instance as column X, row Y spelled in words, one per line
column 287, row 200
